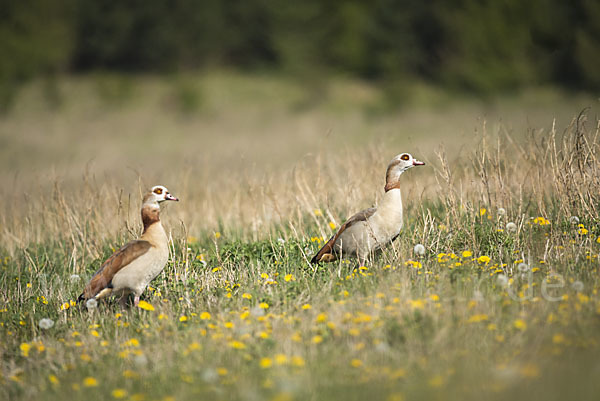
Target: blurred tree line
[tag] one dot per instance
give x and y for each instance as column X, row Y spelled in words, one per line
column 475, row 45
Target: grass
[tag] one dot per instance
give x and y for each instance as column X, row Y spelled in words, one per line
column 239, row 314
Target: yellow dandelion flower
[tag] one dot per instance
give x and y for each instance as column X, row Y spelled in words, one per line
column 183, row 318
column 266, row 363
column 332, row 225
column 145, row 306
column 130, row 374
column 482, row 211
column 90, row 382
column 520, row 324
column 356, row 363
column 54, row 380
column 558, row 339
column 317, row 339
column 237, row 344
column 25, row 349
column 483, row 259
column 318, row 212
column 119, row 393
column 467, row 254
column 530, row 371
column 289, row 277
column 205, row 316
column 229, row 325
column 321, row 317
column 477, row 318
column 298, row 361
column 222, row 371
column 306, row 307
column 280, row 359
column 263, row 305
column 246, row 296
column 217, row 235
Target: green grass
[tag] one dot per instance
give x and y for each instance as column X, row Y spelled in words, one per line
column 240, row 314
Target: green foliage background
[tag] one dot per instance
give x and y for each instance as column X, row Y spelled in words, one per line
column 473, row 45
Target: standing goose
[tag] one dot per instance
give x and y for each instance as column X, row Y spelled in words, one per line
column 135, row 265
column 370, row 229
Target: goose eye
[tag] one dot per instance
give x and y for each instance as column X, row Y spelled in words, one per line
column 158, row 191
column 405, row 157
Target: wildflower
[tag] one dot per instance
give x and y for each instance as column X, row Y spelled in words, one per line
column 317, row 339
column 46, row 323
column 482, row 211
column 436, row 381
column 263, row 305
column 298, row 361
column 119, row 393
column 25, row 347
column 523, row 267
column 205, row 316
column 541, row 221
column 530, row 370
column 65, row 306
column 577, row 286
column 520, row 324
column 467, row 254
column 582, row 230
column 332, row 225
column 145, row 306
column 246, row 296
column 91, row 303
column 280, row 359
column 90, row 382
column 477, row 318
column 318, row 212
column 237, row 344
column 74, row 278
column 419, row 249
column 511, row 227
column 502, row 280
column 306, row 307
column 483, row 259
column 222, row 371
column 321, row 317
column 501, row 212
column 289, row 277
column 54, row 380
column 558, row 339
column 356, row 363
column 574, row 220
column 266, row 363
column 217, row 235
column 183, row 318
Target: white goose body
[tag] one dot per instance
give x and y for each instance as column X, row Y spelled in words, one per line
column 365, row 237
column 136, row 276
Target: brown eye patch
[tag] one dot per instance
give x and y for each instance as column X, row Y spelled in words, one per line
column 405, row 157
column 158, row 191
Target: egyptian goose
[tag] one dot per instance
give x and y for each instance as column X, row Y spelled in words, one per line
column 372, row 228
column 135, row 265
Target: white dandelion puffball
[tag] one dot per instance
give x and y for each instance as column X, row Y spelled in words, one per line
column 501, row 211
column 46, row 323
column 502, row 280
column 523, row 267
column 281, row 241
column 140, row 360
column 577, row 286
column 91, row 303
column 74, row 278
column 574, row 220
column 419, row 249
column 511, row 227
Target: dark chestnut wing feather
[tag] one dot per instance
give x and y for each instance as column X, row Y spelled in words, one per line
column 121, row 258
column 327, row 250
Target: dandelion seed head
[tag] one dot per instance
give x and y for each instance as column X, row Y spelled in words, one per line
column 140, row 360
column 74, row 278
column 91, row 303
column 419, row 249
column 523, row 267
column 574, row 220
column 46, row 323
column 577, row 286
column 501, row 211
column 502, row 280
column 511, row 227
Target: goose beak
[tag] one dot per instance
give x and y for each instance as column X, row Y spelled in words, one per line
column 418, row 163
column 171, row 197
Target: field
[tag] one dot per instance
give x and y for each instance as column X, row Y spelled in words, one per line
column 503, row 304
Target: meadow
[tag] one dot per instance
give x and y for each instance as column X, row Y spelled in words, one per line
column 502, row 304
